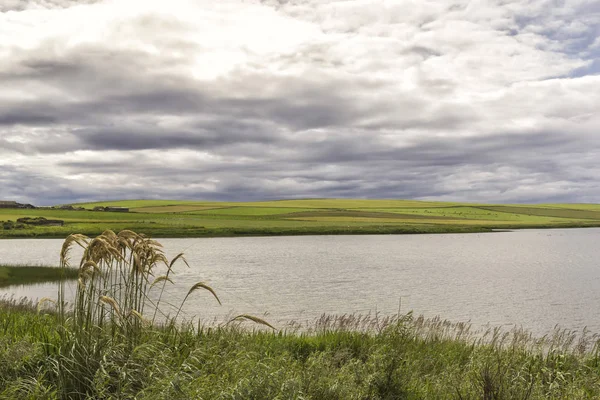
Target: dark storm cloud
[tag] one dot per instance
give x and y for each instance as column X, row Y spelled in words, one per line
column 109, row 84
column 20, row 184
column 245, row 108
column 414, row 171
column 206, row 137
column 25, row 117
column 45, row 189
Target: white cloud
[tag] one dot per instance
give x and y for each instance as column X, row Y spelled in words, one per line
column 288, row 94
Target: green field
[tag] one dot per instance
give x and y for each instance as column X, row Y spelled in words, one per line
column 173, row 218
column 25, row 275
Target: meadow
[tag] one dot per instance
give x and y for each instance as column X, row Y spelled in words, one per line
column 109, row 345
column 165, row 218
column 26, row 274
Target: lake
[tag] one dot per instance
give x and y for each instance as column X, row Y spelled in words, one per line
column 533, row 279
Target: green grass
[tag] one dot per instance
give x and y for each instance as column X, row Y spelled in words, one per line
column 302, row 203
column 248, row 211
column 559, row 212
column 572, row 206
column 459, row 212
column 172, row 218
column 351, row 357
column 23, row 274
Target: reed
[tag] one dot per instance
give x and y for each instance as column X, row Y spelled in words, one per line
column 116, row 275
column 337, row 357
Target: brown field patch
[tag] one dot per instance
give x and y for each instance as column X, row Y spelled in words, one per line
column 546, row 212
column 172, row 209
column 361, row 214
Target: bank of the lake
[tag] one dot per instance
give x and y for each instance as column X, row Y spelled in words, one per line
column 162, row 232
column 341, row 358
column 11, row 275
column 181, row 219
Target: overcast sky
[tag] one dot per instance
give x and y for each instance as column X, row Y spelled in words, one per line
column 481, row 100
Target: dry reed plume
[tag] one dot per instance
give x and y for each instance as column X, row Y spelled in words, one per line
column 116, row 275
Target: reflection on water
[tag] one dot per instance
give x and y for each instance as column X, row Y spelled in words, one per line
column 535, row 278
column 37, row 291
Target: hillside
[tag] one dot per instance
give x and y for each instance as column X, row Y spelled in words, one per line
column 174, row 218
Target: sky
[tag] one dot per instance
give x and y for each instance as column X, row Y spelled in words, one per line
column 241, row 100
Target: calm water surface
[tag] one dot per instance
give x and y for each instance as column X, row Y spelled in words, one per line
column 535, row 278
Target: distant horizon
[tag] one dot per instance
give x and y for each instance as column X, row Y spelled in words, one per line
column 281, row 199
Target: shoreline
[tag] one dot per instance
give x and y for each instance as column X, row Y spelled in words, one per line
column 180, row 219
column 195, row 233
column 402, row 357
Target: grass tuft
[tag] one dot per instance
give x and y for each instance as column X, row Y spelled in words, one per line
column 24, row 274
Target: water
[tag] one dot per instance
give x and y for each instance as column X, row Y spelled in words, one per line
column 534, row 279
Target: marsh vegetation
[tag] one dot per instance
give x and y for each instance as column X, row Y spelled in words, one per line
column 24, row 274
column 347, row 357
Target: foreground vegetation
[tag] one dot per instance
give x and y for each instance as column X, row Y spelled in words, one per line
column 164, row 218
column 116, row 342
column 350, row 357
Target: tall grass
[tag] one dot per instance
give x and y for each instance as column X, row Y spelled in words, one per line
column 116, row 277
column 343, row 357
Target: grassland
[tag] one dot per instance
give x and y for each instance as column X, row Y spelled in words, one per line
column 164, row 218
column 22, row 274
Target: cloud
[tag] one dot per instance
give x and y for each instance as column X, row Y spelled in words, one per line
column 248, row 100
column 21, row 5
